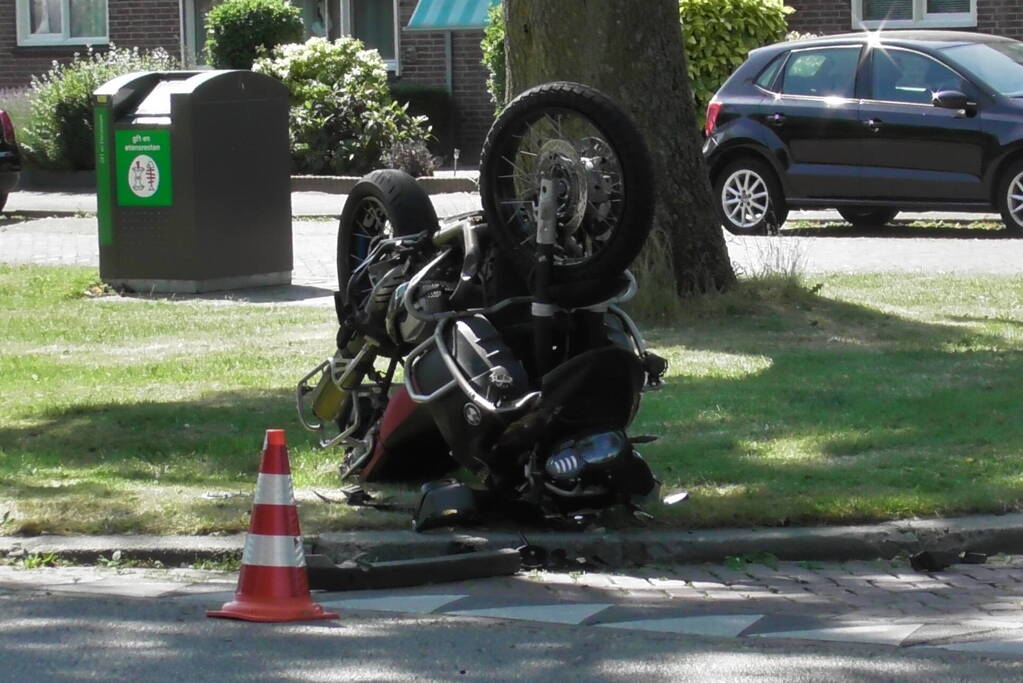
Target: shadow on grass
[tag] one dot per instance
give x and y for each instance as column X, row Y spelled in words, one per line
column 195, row 442
column 850, row 415
column 248, row 295
column 906, row 229
column 119, row 468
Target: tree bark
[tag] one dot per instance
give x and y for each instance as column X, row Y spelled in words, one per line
column 632, row 51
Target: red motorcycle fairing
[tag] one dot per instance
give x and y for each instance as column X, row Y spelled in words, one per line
column 409, row 446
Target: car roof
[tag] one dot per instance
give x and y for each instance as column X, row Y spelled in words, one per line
column 914, row 38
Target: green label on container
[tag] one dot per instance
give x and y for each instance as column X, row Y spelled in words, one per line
column 143, row 167
column 103, row 198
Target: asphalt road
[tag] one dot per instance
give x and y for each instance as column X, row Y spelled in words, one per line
column 48, row 636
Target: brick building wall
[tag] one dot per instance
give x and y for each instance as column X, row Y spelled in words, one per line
column 1000, row 17
column 145, row 23
column 423, row 61
column 820, row 16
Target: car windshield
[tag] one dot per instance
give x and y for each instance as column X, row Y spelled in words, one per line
column 998, row 64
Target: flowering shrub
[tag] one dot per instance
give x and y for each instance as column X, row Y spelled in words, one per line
column 343, row 117
column 60, row 132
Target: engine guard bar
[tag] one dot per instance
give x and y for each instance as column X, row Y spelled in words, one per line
column 458, row 378
column 410, row 363
column 465, row 383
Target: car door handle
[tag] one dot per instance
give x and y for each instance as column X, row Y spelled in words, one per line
column 873, row 124
column 776, row 119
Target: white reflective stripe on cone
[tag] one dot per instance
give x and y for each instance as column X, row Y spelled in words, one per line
column 273, row 551
column 274, row 489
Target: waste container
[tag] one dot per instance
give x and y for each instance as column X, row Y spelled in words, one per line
column 193, row 181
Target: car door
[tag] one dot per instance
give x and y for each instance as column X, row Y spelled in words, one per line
column 913, row 150
column 816, row 118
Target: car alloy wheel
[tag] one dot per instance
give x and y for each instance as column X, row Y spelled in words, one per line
column 745, row 199
column 1014, row 199
column 1010, row 198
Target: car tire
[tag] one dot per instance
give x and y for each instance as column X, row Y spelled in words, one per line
column 1012, row 209
column 749, row 199
column 3, row 200
column 868, row 218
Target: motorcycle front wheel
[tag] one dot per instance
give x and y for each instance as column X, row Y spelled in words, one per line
column 602, row 172
column 385, row 203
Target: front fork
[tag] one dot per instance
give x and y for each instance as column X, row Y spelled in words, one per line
column 543, row 308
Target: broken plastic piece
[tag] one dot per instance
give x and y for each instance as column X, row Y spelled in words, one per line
column 676, row 497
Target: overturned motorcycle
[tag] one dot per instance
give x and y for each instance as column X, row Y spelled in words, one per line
column 518, row 363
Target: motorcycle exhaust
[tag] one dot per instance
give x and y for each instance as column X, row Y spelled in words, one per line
column 338, row 377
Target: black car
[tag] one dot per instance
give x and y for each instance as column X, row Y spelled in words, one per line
column 10, row 160
column 870, row 124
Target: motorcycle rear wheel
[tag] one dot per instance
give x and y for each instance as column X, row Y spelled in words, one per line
column 603, row 175
column 385, row 203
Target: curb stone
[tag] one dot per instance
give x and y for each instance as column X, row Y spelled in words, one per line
column 989, row 534
column 170, row 550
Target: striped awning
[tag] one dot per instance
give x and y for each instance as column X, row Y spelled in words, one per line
column 450, row 15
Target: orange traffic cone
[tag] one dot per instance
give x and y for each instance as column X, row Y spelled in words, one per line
column 273, row 584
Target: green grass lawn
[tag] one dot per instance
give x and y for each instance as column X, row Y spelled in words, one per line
column 856, row 398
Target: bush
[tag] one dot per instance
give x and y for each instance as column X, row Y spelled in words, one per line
column 342, row 115
column 237, row 31
column 412, row 157
column 718, row 34
column 60, row 133
column 493, row 56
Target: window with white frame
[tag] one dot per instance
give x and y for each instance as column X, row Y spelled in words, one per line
column 873, row 14
column 62, row 22
column 375, row 23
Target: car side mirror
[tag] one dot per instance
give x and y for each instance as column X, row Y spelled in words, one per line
column 950, row 99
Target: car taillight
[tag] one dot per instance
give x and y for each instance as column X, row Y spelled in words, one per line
column 6, row 127
column 713, row 109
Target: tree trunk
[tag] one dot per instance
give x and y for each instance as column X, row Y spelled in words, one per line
column 632, row 51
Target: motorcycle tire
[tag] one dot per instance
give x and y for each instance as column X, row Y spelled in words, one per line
column 383, row 202
column 618, row 174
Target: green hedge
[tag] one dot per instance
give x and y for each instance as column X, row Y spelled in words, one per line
column 718, row 34
column 237, row 31
column 493, row 56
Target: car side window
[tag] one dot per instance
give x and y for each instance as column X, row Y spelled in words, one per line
column 825, row 72
column 766, row 78
column 903, row 76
